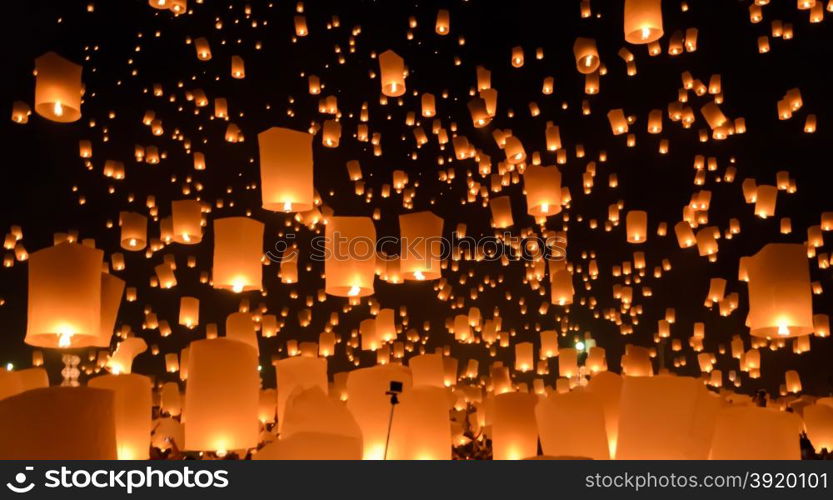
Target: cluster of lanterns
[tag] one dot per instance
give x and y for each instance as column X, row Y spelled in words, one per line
column 211, row 396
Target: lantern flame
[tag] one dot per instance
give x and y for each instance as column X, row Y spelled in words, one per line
column 58, row 108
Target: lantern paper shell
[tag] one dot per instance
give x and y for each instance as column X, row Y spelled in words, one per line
column 134, row 231
column 238, row 249
column 370, row 406
column 643, row 21
column 298, row 374
column 421, row 241
column 286, row 170
column 59, row 423
column 514, row 429
column 678, row 411
column 186, row 218
column 751, row 433
column 64, row 305
column 427, row 370
column 58, row 88
column 112, row 291
column 392, row 68
column 637, row 226
column 350, row 265
column 780, row 298
column 558, row 412
column 420, row 429
column 587, row 56
column 133, row 413
column 543, row 190
column 221, row 398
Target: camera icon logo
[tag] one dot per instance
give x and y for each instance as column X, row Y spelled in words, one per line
column 20, row 478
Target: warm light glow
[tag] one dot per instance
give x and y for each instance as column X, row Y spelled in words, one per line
column 418, row 275
column 58, row 108
column 354, row 291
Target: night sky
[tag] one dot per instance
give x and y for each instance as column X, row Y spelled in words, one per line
column 116, row 39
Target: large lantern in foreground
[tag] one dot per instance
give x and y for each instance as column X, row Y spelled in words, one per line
column 350, row 248
column 420, row 429
column 64, row 306
column 286, row 183
column 57, row 88
column 370, row 406
column 298, row 374
column 238, row 248
column 58, row 423
column 133, row 404
column 222, row 396
column 421, row 234
column 643, row 21
column 514, row 429
column 780, row 298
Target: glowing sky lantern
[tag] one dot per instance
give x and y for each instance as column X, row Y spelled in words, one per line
column 514, row 429
column 238, row 248
column 392, row 68
column 637, row 226
column 780, row 300
column 221, row 397
column 643, row 21
column 298, row 374
column 186, row 217
column 112, row 291
column 45, row 424
column 351, row 251
column 370, row 405
column 133, row 411
column 543, row 190
column 64, row 305
column 560, row 411
column 420, row 428
column 58, row 88
column 286, row 170
column 587, row 56
column 421, row 234
column 134, row 229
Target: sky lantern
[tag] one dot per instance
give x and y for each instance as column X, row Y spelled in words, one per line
column 286, row 170
column 202, row 48
column 134, row 230
column 132, row 404
column 427, row 370
column 501, row 208
column 587, row 56
column 421, row 246
column 514, row 429
column 543, row 190
column 121, row 361
column 221, row 397
column 112, row 291
column 58, row 88
column 636, row 223
column 392, row 68
column 561, row 283
column 643, row 21
column 64, row 304
column 558, row 412
column 186, row 218
column 752, row 433
column 780, row 300
column 370, row 406
column 818, row 422
column 420, row 429
column 351, row 256
column 298, row 374
column 514, row 150
column 238, row 248
column 443, row 24
column 241, row 326
column 45, row 424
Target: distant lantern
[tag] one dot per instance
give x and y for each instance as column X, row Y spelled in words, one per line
column 501, row 208
column 134, row 231
column 514, row 428
column 222, row 396
column 286, row 170
column 524, row 356
column 189, row 311
column 643, row 21
column 112, row 291
column 238, row 249
column 618, row 122
column 64, row 305
column 186, row 218
column 561, row 283
column 392, row 68
column 543, row 190
column 780, row 299
column 637, row 226
column 238, row 68
column 58, row 88
column 331, row 134
column 133, row 404
column 514, row 150
column 350, row 248
column 422, row 246
column 586, row 54
column 202, row 48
